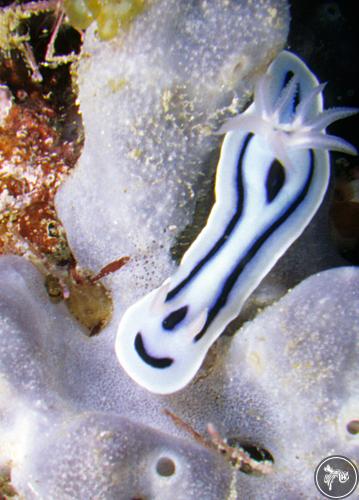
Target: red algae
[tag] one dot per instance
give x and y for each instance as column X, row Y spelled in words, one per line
column 41, row 139
column 33, row 164
column 34, row 161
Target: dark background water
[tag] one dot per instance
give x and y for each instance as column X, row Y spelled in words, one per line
column 325, row 34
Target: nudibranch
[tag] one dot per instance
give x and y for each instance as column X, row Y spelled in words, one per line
column 271, row 178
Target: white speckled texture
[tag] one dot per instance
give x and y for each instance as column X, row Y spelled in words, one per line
column 99, row 456
column 286, row 382
column 150, row 103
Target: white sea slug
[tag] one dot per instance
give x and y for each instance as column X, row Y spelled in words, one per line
column 271, row 178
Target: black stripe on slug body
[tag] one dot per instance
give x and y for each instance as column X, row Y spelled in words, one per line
column 233, row 277
column 147, row 358
column 275, row 180
column 296, row 99
column 229, row 228
column 175, row 317
column 287, row 78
